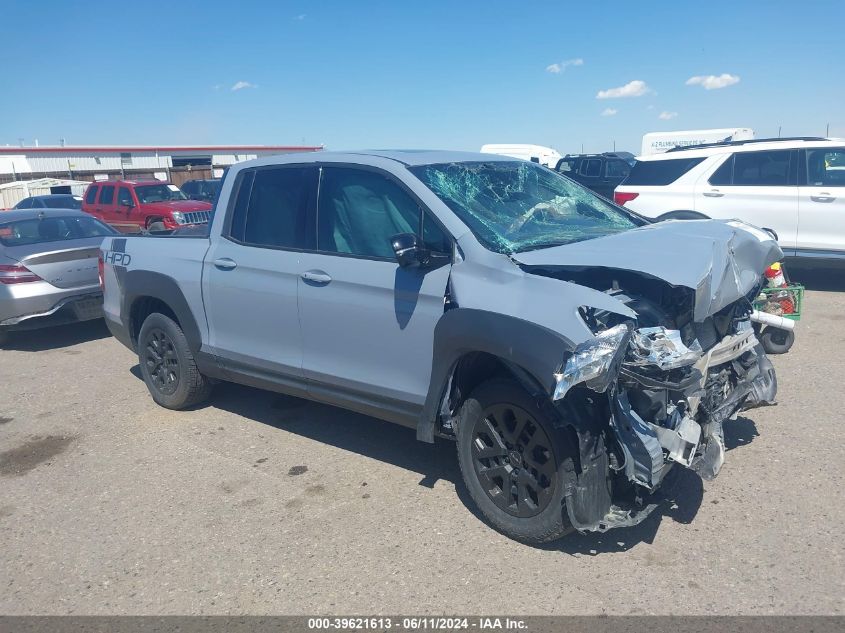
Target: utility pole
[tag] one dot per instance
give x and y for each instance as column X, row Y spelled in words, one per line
column 779, row 127
column 827, row 131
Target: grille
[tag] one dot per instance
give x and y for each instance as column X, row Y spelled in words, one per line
column 196, row 217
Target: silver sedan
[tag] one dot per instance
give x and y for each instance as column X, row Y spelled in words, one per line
column 48, row 268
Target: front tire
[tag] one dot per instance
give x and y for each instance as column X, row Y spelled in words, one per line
column 168, row 366
column 510, row 456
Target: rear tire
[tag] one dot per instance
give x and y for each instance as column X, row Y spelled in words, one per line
column 776, row 340
column 168, row 366
column 510, row 457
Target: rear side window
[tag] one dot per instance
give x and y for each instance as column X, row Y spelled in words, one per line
column 660, row 172
column 26, row 203
column 91, row 194
column 106, row 194
column 761, row 169
column 272, row 208
column 590, row 168
column 617, row 169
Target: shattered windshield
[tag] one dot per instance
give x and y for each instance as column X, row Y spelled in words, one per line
column 519, row 206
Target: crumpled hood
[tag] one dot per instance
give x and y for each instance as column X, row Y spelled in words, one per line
column 177, row 205
column 721, row 260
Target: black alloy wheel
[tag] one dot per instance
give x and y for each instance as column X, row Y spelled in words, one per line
column 162, row 361
column 514, row 460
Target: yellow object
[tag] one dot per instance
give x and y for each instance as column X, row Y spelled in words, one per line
column 775, row 266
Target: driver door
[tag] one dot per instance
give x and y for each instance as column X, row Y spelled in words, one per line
column 367, row 323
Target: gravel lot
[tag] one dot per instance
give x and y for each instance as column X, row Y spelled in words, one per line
column 265, row 504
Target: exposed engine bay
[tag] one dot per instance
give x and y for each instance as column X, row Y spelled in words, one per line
column 666, row 384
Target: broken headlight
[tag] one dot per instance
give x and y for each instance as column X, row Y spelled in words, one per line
column 591, row 361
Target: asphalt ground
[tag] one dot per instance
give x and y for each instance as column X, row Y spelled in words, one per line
column 264, row 504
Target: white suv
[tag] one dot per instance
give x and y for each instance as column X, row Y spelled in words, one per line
column 795, row 187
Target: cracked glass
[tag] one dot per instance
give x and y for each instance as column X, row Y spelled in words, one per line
column 518, row 206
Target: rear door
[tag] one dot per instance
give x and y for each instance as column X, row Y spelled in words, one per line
column 368, row 324
column 821, row 202
column 759, row 187
column 251, row 274
column 105, row 206
column 89, row 202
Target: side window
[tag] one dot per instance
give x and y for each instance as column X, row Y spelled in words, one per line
column 277, row 212
column 242, row 189
column 434, row 237
column 106, row 194
column 660, row 171
column 26, row 203
column 761, row 169
column 91, row 194
column 724, row 174
column 826, row 167
column 591, row 168
column 124, row 197
column 359, row 211
column 188, row 187
column 617, row 169
column 564, row 165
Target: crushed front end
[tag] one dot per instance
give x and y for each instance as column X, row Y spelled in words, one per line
column 653, row 393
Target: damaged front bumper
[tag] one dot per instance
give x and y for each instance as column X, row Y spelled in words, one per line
column 666, row 404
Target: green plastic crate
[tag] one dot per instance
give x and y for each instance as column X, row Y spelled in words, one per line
column 795, row 290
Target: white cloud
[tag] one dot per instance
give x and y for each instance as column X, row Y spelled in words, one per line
column 713, row 82
column 559, row 67
column 665, row 116
column 240, row 85
column 634, row 88
column 300, row 17
column 609, row 112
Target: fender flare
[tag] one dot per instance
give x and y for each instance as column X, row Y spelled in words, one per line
column 138, row 284
column 682, row 215
column 523, row 345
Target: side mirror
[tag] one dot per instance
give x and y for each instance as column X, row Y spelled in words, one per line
column 409, row 252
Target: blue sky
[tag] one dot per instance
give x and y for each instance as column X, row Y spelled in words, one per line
column 416, row 74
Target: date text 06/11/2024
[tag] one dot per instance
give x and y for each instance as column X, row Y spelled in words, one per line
column 416, row 623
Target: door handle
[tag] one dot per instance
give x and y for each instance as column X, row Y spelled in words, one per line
column 224, row 263
column 824, row 197
column 316, row 276
column 713, row 193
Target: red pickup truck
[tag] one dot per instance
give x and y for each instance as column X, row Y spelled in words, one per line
column 132, row 206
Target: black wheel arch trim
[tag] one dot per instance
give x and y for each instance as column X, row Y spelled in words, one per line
column 682, row 214
column 532, row 352
column 141, row 284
